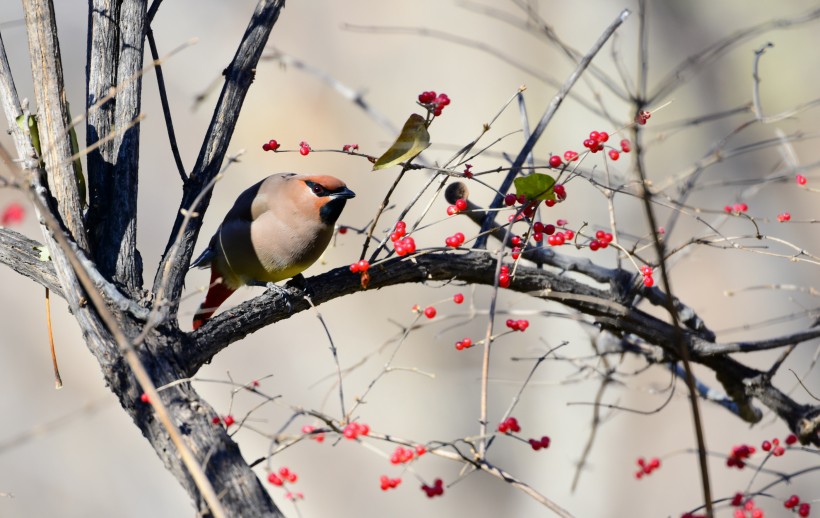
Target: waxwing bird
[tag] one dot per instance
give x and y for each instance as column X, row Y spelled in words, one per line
column 275, row 230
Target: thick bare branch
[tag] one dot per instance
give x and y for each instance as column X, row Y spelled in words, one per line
column 53, row 118
column 116, row 44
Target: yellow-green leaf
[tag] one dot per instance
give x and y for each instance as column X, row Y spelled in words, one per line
column 45, row 255
column 537, row 186
column 28, row 123
column 413, row 140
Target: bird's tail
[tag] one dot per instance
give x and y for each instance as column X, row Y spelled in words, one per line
column 217, row 293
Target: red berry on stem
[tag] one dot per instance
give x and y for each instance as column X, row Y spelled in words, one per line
column 430, row 312
column 614, row 155
column 801, row 180
column 458, row 298
column 555, row 161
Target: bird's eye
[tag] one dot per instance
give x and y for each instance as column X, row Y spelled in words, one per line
column 317, row 189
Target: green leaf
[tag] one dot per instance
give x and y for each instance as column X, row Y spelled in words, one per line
column 28, row 123
column 537, row 186
column 413, row 140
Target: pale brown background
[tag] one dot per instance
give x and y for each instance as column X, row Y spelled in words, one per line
column 95, row 463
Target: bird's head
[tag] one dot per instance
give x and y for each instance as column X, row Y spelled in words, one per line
column 326, row 193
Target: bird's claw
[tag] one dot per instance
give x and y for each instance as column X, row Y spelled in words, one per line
column 283, row 291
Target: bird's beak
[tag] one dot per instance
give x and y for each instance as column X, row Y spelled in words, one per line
column 344, row 193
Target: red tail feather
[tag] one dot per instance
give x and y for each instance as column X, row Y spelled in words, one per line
column 217, row 294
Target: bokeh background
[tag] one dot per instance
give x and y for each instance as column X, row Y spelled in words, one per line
column 74, row 453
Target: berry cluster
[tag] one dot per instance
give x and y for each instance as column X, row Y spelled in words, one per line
column 270, row 145
column 539, row 229
column 748, row 510
column 784, row 216
column 537, row 444
column 739, row 455
column 642, row 117
column 284, row 475
column 402, row 455
column 360, row 266
column 402, row 244
column 434, row 103
column 354, row 430
column 12, row 214
column 596, row 140
column 570, row 155
column 466, row 343
column 455, row 241
column 460, row 206
column 645, row 468
column 310, row 429
column 349, row 148
column 437, row 489
column 518, row 325
column 528, row 209
column 388, row 483
column 737, row 208
column 228, row 420
column 602, row 240
column 508, row 425
column 793, row 502
column 648, row 280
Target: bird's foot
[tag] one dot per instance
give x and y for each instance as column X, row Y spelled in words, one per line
column 281, row 290
column 300, row 283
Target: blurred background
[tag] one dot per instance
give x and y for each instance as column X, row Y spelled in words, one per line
column 74, row 453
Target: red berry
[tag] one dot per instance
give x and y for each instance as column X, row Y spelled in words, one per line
column 614, row 155
column 648, row 281
column 793, row 501
column 430, row 312
column 458, row 298
column 804, row 509
column 461, row 204
column 452, row 210
column 594, row 245
column 535, row 444
column 504, row 280
column 229, row 420
column 791, row 439
column 801, row 180
column 274, row 479
column 560, row 191
column 304, row 148
column 216, row 419
column 144, row 398
column 784, row 216
column 626, row 147
column 363, row 265
column 545, row 442
column 603, row 136
column 737, row 499
column 766, row 446
column 555, row 161
column 354, row 268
